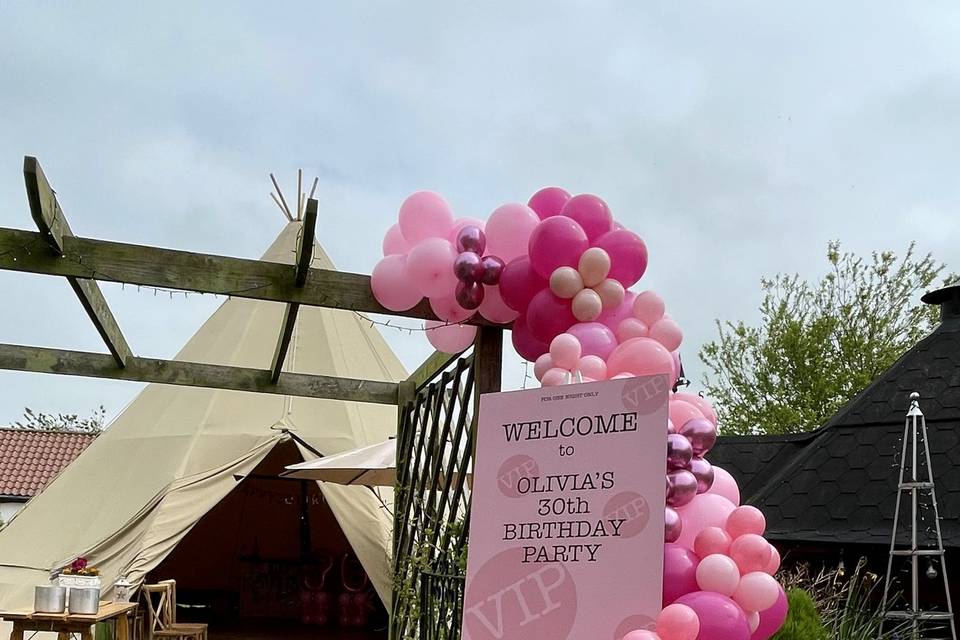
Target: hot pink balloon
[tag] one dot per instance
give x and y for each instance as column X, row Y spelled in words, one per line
column 548, row 316
column 586, row 305
column 744, row 520
column 649, row 307
column 548, row 201
column 773, row 618
column 451, row 338
column 519, row 283
column 642, row 357
column 632, row 328
column 593, row 367
column 720, row 617
column 529, row 347
column 672, row 525
column 494, row 309
column 682, row 412
column 700, row 403
column 423, row 215
column 668, row 333
column 591, row 213
column 449, row 310
column 430, row 267
column 595, row 338
column 774, row 564
column 460, row 223
column 712, row 540
column 613, row 317
column 391, row 286
column 679, row 572
column 555, row 377
column 394, row 243
column 756, row 592
column 725, row 485
column 678, row 622
column 565, row 351
column 556, row 242
column 628, row 255
column 705, row 510
column 508, row 230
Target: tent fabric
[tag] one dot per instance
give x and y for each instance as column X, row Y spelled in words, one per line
column 172, row 454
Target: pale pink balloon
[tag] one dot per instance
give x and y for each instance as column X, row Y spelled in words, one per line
column 394, row 243
column 566, row 282
column 423, row 215
column 744, row 520
column 700, row 403
column 519, row 283
column 529, row 347
column 632, row 328
column 774, row 565
column 508, row 230
column 705, row 510
column 555, row 377
column 591, row 213
column 753, row 619
column 448, row 309
column 628, row 255
column 621, row 376
column 460, row 223
column 494, row 309
column 751, row 553
column 668, row 333
column 725, row 485
column 548, row 316
column 450, row 338
column 548, row 201
column 391, row 286
column 678, row 622
column 613, row 317
column 595, row 338
column 543, row 364
column 430, row 267
column 594, row 265
column 712, row 540
column 641, row 634
column 670, row 427
column 677, row 365
column 718, row 573
column 756, row 592
column 641, row 357
column 611, row 293
column 648, row 307
column 593, row 367
column 565, row 351
column 682, row 412
column 555, row 242
column 586, row 305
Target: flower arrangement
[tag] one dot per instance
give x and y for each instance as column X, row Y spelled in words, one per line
column 80, row 567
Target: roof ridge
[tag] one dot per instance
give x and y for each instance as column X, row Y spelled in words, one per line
column 62, row 432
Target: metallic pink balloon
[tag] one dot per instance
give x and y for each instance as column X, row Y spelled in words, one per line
column 682, row 487
column 469, row 294
column 703, row 471
column 491, row 270
column 672, row 526
column 702, row 435
column 472, row 239
column 468, row 267
column 679, row 452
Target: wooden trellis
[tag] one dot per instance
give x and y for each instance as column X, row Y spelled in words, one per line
column 437, row 403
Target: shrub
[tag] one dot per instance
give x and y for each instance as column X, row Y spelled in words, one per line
column 803, row 622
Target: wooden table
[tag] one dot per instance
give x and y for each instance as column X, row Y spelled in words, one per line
column 65, row 624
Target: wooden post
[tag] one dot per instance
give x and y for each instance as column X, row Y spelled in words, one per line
column 488, row 359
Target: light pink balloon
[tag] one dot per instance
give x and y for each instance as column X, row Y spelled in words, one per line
column 751, row 553
column 394, row 243
column 494, row 309
column 423, row 215
column 529, row 347
column 725, row 485
column 586, row 306
column 508, row 230
column 566, row 282
column 628, row 255
column 648, row 307
column 565, row 351
column 700, row 403
column 705, row 510
column 756, row 592
column 448, row 309
column 718, row 573
column 613, row 317
column 668, row 333
column 450, row 338
column 556, row 242
column 548, row 201
column 632, row 328
column 593, row 266
column 543, row 364
column 593, row 367
column 678, row 622
column 519, row 283
column 712, row 540
column 611, row 293
column 595, row 339
column 548, row 316
column 430, row 267
column 391, row 286
column 555, row 377
column 753, row 619
column 642, row 357
column 677, row 365
column 460, row 223
column 774, row 565
column 744, row 520
column 682, row 412
column 591, row 213
column 641, row 634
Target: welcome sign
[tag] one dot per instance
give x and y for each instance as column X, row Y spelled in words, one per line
column 566, row 527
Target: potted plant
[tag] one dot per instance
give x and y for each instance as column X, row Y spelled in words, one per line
column 79, row 574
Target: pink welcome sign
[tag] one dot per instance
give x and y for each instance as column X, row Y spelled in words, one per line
column 566, row 527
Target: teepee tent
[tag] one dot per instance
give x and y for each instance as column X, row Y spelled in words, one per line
column 176, row 452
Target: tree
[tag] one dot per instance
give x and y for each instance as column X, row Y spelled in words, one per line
column 818, row 344
column 38, row 421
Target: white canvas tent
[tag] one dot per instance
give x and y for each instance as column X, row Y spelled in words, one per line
column 175, row 452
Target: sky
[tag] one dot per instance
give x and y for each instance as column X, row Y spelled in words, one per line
column 736, row 138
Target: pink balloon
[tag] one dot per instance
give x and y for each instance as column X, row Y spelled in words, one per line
column 632, row 328
column 718, row 573
column 628, row 255
column 712, row 540
column 556, row 242
column 648, row 307
column 613, row 317
column 423, row 215
column 720, row 617
column 642, row 357
column 682, row 412
column 753, row 619
column 756, row 592
column 394, row 243
column 529, row 347
column 677, row 366
column 611, row 293
column 451, row 338
column 430, row 267
column 460, row 223
column 773, row 618
column 508, row 230
column 565, row 351
column 702, row 435
column 678, row 622
column 593, row 266
column 494, row 309
column 586, row 305
column 543, row 364
column 593, row 367
column 449, row 310
column 751, row 553
column 391, row 286
column 744, row 520
column 548, row 201
column 672, row 525
column 679, row 572
column 700, row 403
column 548, row 316
column 774, row 565
column 703, row 470
column 725, row 485
column 519, row 283
column 591, row 213
column 556, row 377
column 566, row 282
column 668, row 333
column 681, row 487
column 705, row 510
column 595, row 339
column 641, row 634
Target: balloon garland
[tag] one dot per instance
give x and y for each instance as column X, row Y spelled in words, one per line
column 560, row 269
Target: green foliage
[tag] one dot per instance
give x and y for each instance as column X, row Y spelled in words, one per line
column 39, row 421
column 818, row 344
column 803, row 621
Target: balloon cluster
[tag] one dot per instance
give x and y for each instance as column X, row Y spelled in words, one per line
column 472, row 269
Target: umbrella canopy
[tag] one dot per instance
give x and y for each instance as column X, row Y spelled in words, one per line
column 372, row 466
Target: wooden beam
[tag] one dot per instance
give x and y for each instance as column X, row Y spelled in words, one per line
column 54, row 228
column 186, row 271
column 194, row 374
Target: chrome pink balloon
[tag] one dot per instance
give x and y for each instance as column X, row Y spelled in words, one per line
column 628, row 255
column 679, row 452
column 556, row 242
column 703, row 470
column 682, row 487
column 491, row 270
column 468, row 267
column 519, row 283
column 548, row 201
column 469, row 294
column 471, row 238
column 702, row 435
column 591, row 213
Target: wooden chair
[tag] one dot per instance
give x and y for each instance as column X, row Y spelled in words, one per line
column 172, row 611
column 161, row 613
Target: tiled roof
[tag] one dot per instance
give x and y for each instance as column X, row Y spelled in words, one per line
column 31, row 459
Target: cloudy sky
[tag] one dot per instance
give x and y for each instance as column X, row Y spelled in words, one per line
column 737, row 138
